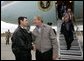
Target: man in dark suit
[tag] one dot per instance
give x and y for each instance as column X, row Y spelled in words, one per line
column 22, row 41
column 67, row 29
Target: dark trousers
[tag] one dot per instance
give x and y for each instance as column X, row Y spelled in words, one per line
column 69, row 39
column 22, row 55
column 7, row 41
column 44, row 56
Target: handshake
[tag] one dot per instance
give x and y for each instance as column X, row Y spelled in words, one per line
column 33, row 47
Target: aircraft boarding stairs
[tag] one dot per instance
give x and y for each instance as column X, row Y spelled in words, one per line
column 75, row 52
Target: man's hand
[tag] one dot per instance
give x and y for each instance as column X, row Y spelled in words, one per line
column 34, row 48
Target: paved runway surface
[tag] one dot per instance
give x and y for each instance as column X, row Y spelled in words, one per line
column 6, row 52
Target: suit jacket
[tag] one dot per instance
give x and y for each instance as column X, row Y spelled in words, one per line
column 46, row 39
column 21, row 40
column 64, row 29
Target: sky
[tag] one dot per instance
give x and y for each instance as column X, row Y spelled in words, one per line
column 5, row 26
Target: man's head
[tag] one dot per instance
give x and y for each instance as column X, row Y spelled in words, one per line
column 37, row 21
column 23, row 21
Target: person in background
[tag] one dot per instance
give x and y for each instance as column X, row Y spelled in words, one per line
column 67, row 30
column 50, row 24
column 61, row 9
column 8, row 35
column 71, row 15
